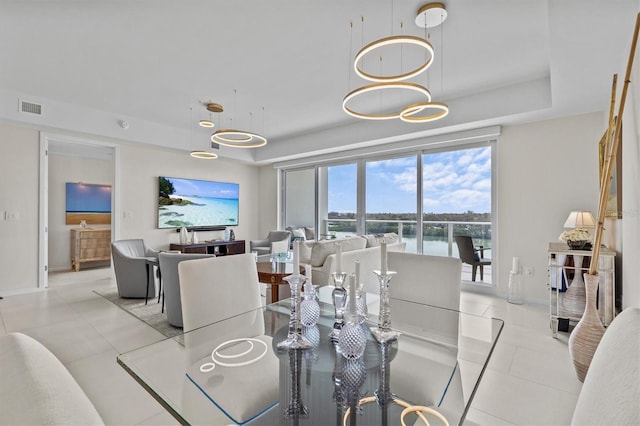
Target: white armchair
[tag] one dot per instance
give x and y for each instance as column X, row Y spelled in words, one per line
column 276, row 242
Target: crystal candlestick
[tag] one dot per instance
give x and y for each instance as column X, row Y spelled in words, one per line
column 294, row 339
column 351, row 339
column 295, row 408
column 361, row 303
column 383, row 332
column 339, row 297
column 384, row 396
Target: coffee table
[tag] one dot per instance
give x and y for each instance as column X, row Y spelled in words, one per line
column 438, row 361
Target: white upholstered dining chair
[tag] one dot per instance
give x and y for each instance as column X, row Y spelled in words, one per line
column 429, row 280
column 217, row 288
column 226, row 288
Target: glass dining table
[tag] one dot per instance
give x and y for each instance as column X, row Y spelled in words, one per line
column 231, row 372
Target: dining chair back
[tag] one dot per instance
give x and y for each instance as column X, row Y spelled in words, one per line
column 226, row 288
column 428, row 280
column 472, row 256
column 171, row 283
column 131, row 268
column 217, row 288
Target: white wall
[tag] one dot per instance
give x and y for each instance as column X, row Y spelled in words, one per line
column 140, row 166
column 269, row 194
column 630, row 227
column 19, row 160
column 63, row 169
column 545, row 170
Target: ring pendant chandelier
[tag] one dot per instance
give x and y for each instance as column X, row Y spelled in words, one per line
column 428, row 16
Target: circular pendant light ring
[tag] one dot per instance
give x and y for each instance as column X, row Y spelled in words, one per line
column 231, row 135
column 387, row 41
column 238, row 138
column 408, row 114
column 204, row 155
column 381, row 86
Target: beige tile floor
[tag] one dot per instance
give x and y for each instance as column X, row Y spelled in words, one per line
column 529, row 381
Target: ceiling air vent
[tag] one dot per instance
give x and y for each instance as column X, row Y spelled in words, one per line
column 215, row 145
column 30, row 107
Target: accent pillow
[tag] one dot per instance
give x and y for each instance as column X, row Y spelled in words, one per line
column 310, row 233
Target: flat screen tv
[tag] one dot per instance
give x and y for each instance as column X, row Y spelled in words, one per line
column 197, row 204
column 88, row 202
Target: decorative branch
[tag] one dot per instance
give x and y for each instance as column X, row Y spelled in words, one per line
column 614, row 130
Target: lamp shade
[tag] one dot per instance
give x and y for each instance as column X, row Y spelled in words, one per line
column 580, row 220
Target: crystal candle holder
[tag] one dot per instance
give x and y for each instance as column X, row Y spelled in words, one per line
column 294, row 339
column 351, row 339
column 339, row 297
column 361, row 303
column 309, row 307
column 383, row 332
column 354, row 374
column 295, row 408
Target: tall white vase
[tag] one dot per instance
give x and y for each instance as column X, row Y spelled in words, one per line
column 586, row 336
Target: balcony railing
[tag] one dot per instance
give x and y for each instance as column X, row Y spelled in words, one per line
column 437, row 236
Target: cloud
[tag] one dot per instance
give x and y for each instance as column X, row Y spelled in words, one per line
column 483, row 185
column 407, row 180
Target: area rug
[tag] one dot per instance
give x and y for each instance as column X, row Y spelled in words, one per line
column 149, row 313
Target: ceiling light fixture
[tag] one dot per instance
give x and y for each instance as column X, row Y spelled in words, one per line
column 382, row 86
column 408, row 114
column 204, row 155
column 199, row 153
column 211, row 107
column 388, row 41
column 431, row 15
column 239, row 138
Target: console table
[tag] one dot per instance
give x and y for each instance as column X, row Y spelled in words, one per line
column 565, row 268
column 219, row 248
column 90, row 245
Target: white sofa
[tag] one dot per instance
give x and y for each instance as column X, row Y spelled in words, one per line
column 610, row 394
column 321, row 255
column 37, row 389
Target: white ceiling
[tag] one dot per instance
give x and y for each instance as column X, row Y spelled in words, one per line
column 282, row 67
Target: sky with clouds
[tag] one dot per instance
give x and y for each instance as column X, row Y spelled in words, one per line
column 453, row 182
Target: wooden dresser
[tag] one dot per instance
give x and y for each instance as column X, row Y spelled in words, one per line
column 90, row 245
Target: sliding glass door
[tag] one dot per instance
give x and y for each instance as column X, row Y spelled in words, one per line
column 391, row 198
column 426, row 197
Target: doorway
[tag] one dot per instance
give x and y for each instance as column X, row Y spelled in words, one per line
column 65, row 159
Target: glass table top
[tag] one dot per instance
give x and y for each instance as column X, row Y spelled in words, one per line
column 231, row 372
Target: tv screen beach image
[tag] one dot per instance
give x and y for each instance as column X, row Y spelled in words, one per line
column 197, row 203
